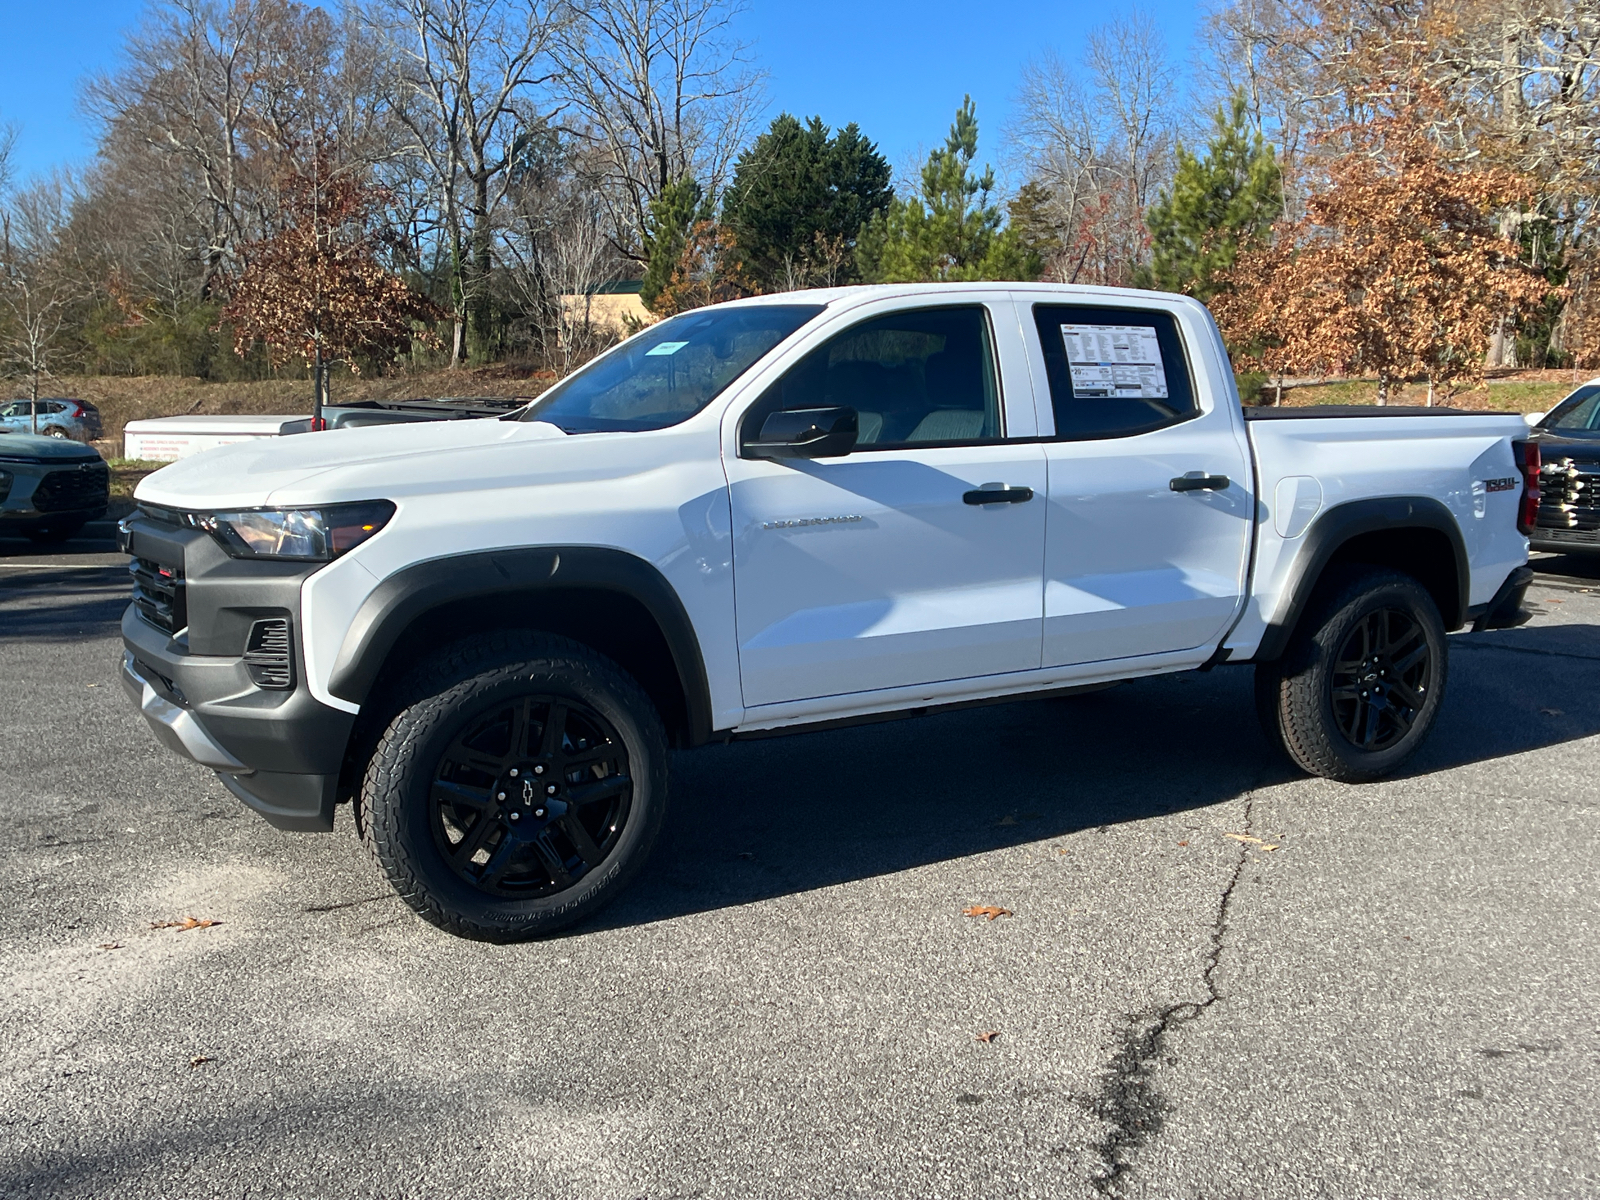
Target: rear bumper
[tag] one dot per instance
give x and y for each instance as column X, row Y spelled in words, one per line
column 1565, row 541
column 1505, row 610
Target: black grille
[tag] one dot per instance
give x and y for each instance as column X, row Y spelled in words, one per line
column 1569, row 495
column 74, row 488
column 158, row 594
column 268, row 654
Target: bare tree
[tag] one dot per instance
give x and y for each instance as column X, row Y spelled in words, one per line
column 1099, row 149
column 558, row 254
column 39, row 286
column 463, row 80
column 665, row 90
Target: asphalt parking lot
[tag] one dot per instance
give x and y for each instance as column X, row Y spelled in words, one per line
column 1219, row 979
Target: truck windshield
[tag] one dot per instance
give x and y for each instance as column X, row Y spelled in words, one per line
column 1578, row 413
column 670, row 372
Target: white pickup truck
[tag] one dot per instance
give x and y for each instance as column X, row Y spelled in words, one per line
column 787, row 512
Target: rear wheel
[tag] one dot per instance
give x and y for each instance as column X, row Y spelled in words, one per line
column 56, row 431
column 519, row 788
column 1361, row 681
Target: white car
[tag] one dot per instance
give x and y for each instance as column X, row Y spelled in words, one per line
column 781, row 513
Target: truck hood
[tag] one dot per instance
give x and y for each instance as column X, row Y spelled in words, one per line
column 342, row 464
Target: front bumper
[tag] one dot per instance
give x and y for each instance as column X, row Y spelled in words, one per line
column 278, row 749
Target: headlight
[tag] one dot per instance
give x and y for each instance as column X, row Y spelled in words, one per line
column 310, row 534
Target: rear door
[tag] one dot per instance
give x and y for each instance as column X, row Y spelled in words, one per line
column 1150, row 509
column 883, row 568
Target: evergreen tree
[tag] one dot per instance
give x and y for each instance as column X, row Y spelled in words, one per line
column 673, row 215
column 952, row 231
column 1219, row 205
column 798, row 199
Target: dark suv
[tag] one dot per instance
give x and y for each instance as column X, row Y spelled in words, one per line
column 49, row 487
column 1569, row 477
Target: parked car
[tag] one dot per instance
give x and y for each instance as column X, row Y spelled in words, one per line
column 77, row 420
column 789, row 512
column 1568, row 446
column 50, row 488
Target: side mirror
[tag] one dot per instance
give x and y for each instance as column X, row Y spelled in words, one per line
column 806, row 433
column 1534, row 418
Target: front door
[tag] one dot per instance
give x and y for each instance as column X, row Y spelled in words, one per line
column 896, row 564
column 1150, row 488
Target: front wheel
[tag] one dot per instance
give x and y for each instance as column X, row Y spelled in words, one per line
column 519, row 788
column 1361, row 681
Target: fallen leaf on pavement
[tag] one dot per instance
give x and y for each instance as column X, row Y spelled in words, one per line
column 987, row 1037
column 200, row 1058
column 186, row 923
column 1183, row 843
column 111, row 945
column 1254, row 841
column 986, row 910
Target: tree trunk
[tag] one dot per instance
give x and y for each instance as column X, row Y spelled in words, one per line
column 1430, row 391
column 1383, row 390
column 318, row 379
column 33, row 403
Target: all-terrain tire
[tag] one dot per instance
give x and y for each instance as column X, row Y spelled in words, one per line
column 399, row 815
column 1361, row 681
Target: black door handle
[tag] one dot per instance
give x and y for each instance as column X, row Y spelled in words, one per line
column 998, row 495
column 1196, row 482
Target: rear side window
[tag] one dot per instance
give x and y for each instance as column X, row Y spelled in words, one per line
column 1113, row 372
column 915, row 378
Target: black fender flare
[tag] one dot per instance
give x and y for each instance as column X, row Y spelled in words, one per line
column 421, row 587
column 1338, row 525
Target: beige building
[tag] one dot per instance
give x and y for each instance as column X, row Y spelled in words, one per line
column 614, row 305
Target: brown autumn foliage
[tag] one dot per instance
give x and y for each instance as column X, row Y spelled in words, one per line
column 710, row 271
column 318, row 289
column 1398, row 268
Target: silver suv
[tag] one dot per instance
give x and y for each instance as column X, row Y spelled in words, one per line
column 75, row 420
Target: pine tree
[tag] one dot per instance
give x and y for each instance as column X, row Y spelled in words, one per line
column 1219, row 205
column 799, row 197
column 953, row 231
column 672, row 216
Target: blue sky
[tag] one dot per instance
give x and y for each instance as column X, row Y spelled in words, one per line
column 897, row 68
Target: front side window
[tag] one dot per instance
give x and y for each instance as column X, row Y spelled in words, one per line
column 1578, row 413
column 1113, row 372
column 916, row 377
column 669, row 372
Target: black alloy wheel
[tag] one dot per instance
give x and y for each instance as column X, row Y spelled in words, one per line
column 531, row 796
column 517, row 787
column 1362, row 678
column 1381, row 679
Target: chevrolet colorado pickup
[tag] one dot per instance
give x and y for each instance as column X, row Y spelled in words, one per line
column 787, row 512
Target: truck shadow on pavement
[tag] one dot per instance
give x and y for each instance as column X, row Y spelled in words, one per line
column 61, row 604
column 762, row 819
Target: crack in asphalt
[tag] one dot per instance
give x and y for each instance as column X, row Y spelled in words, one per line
column 1128, row 1100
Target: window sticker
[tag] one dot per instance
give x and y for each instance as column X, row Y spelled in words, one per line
column 674, row 347
column 1115, row 360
